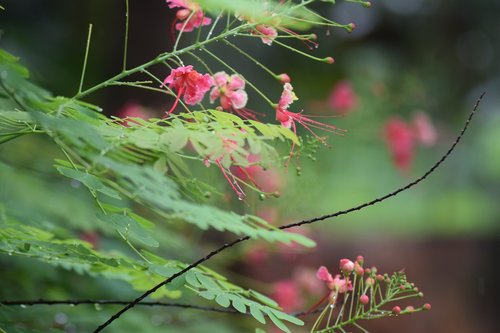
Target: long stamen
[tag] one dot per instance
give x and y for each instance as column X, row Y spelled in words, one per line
column 233, row 183
column 177, row 98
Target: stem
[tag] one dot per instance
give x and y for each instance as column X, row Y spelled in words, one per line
column 160, row 58
column 258, row 63
column 124, row 68
column 182, row 30
column 89, row 35
column 298, row 51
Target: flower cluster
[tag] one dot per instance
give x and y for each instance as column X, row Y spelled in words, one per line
column 366, row 294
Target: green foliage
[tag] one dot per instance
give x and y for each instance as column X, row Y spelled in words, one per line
column 145, row 162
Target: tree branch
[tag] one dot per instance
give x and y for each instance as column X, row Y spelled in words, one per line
column 297, row 224
column 76, row 302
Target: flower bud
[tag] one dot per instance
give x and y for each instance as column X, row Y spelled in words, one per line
column 183, row 14
column 284, row 78
column 427, row 306
column 358, row 269
column 329, row 60
column 360, row 260
column 346, row 266
column 369, row 281
column 409, row 308
column 364, row 299
column 396, row 310
column 380, row 278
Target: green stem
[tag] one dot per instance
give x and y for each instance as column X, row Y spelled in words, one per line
column 160, row 58
column 182, row 30
column 125, row 47
column 89, row 35
column 299, row 52
column 258, row 63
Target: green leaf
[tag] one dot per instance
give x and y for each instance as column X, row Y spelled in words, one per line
column 129, row 227
column 278, row 322
column 264, row 299
column 239, row 305
column 257, row 314
column 90, row 181
column 222, row 300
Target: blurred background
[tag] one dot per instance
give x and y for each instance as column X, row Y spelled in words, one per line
column 402, row 86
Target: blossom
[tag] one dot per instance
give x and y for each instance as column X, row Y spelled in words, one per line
column 346, row 266
column 131, row 110
column 188, row 83
column 340, row 285
column 401, row 142
column 342, row 99
column 336, row 284
column 269, row 180
column 288, row 118
column 424, row 130
column 189, row 11
column 230, row 90
column 267, row 32
column 287, row 295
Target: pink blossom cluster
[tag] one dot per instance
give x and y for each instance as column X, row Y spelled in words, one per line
column 192, row 87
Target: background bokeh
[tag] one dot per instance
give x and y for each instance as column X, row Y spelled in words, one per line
column 405, row 56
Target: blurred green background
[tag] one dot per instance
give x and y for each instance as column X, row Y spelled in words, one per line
column 405, row 56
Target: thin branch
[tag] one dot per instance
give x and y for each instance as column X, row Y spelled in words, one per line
column 89, row 36
column 75, row 302
column 125, row 44
column 300, row 223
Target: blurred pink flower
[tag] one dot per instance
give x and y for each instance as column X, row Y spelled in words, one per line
column 257, row 254
column 268, row 33
column 305, row 278
column 336, row 284
column 401, row 141
column 268, row 181
column 188, row 83
column 91, row 237
column 287, row 294
column 131, row 110
column 424, row 130
column 342, row 99
column 230, row 90
column 188, row 8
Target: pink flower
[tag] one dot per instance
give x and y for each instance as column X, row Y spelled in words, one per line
column 324, row 275
column 268, row 33
column 346, row 266
column 424, row 130
column 342, row 98
column 340, row 285
column 230, row 90
column 188, row 83
column 401, row 142
column 131, row 110
column 288, row 119
column 269, row 181
column 188, row 8
column 336, row 283
column 364, row 299
column 286, row 293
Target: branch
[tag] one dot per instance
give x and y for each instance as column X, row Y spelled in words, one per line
column 297, row 224
column 25, row 303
